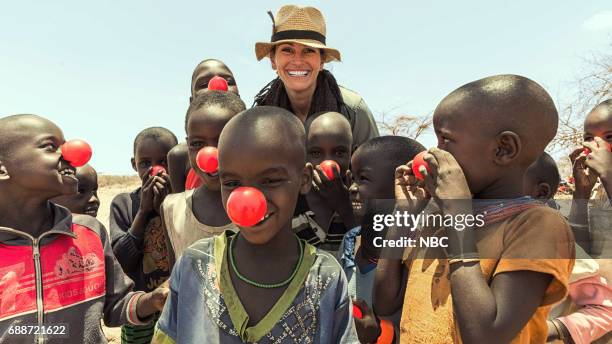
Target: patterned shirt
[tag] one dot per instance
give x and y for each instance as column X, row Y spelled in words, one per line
column 203, row 306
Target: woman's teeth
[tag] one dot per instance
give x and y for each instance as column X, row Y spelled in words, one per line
column 298, row 73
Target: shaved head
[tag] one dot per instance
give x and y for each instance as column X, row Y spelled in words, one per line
column 330, row 120
column 13, row 128
column 266, row 126
column 506, row 103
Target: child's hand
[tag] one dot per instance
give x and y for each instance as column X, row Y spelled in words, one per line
column 146, row 194
column 410, row 195
column 445, row 181
column 368, row 329
column 583, row 180
column 161, row 189
column 152, row 302
column 334, row 192
column 600, row 158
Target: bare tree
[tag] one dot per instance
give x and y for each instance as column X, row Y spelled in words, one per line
column 404, row 125
column 592, row 88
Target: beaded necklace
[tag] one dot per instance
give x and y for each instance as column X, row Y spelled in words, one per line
column 263, row 285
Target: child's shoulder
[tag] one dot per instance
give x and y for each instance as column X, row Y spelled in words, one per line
column 90, row 223
column 542, row 217
column 172, row 200
column 126, row 197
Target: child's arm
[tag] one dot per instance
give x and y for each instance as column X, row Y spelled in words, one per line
column 594, row 319
column 176, row 167
column 127, row 238
column 171, row 255
column 391, row 273
column 584, row 182
column 121, row 305
column 166, row 329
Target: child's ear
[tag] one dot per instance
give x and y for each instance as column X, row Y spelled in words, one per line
column 133, row 161
column 544, row 191
column 508, row 147
column 306, row 182
column 4, row 174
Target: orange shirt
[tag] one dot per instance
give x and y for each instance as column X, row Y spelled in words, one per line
column 538, row 239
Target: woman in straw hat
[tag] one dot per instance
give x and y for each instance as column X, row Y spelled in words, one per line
column 298, row 52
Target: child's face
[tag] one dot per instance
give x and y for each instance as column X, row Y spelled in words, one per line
column 86, row 200
column 207, row 71
column 328, row 142
column 598, row 123
column 373, row 184
column 275, row 171
column 150, row 152
column 34, row 163
column 469, row 144
column 203, row 130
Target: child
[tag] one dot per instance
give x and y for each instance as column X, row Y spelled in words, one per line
column 323, row 216
column 196, row 214
column 489, row 132
column 372, row 192
column 586, row 315
column 86, row 200
column 593, row 180
column 135, row 225
column 182, row 176
column 58, row 273
column 311, row 304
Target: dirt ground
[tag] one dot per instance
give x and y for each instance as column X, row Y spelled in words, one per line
column 110, row 186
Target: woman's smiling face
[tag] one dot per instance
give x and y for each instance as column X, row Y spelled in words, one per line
column 297, row 65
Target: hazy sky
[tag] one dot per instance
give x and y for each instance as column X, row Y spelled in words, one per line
column 105, row 70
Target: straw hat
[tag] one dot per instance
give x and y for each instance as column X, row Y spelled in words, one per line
column 293, row 24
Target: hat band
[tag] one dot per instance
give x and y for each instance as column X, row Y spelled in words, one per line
column 298, row 34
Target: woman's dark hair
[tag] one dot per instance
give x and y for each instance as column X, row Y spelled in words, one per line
column 326, row 98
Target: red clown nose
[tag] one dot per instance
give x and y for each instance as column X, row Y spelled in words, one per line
column 246, row 206
column 417, row 162
column 328, row 167
column 357, row 313
column 76, row 152
column 156, row 169
column 217, row 83
column 208, row 159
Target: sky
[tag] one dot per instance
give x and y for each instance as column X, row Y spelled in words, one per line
column 105, row 70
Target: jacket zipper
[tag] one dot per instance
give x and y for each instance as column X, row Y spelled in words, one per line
column 39, row 290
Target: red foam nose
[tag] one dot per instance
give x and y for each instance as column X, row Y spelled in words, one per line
column 158, row 168
column 208, row 159
column 246, row 206
column 357, row 313
column 217, row 83
column 328, row 168
column 417, row 162
column 76, row 152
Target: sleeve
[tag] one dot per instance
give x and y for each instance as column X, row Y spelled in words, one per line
column 540, row 240
column 119, row 302
column 166, row 328
column 344, row 325
column 126, row 247
column 365, row 125
column 594, row 319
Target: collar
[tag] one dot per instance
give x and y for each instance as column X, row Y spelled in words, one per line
column 348, row 242
column 62, row 224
